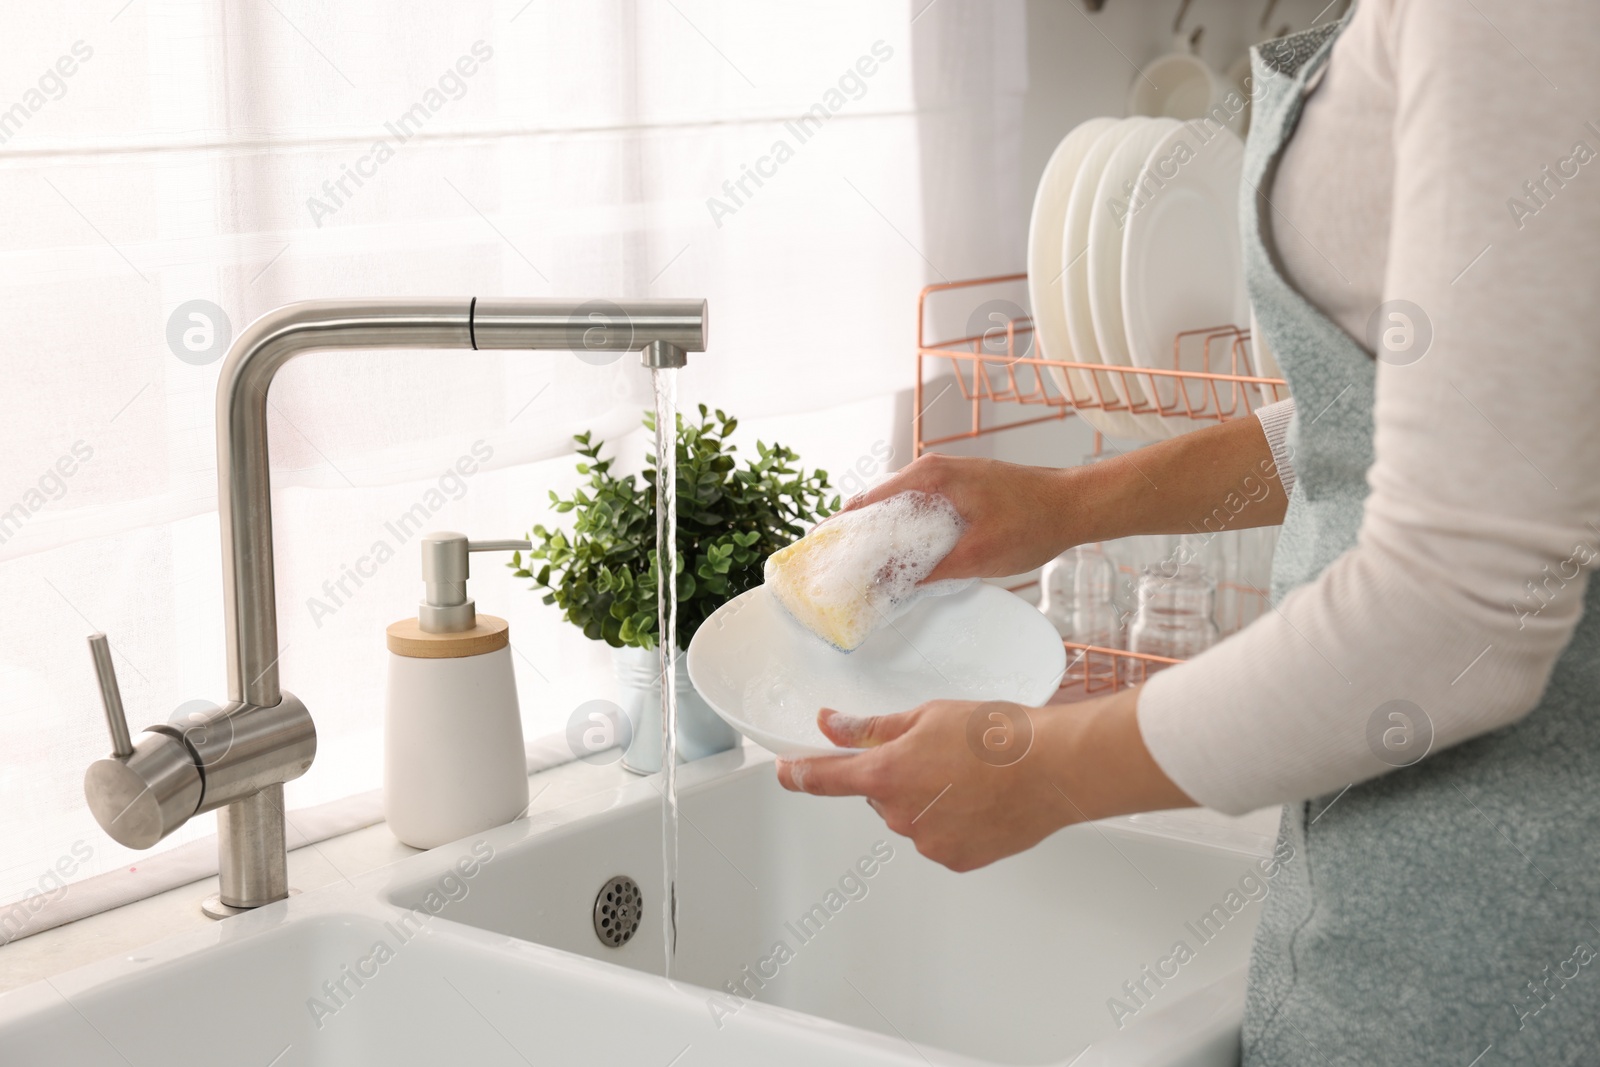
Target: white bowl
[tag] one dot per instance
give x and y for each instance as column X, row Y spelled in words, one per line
column 768, row 676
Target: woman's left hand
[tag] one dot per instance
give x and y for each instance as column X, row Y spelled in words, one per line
column 971, row 783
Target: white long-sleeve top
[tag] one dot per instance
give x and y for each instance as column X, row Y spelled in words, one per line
column 1450, row 157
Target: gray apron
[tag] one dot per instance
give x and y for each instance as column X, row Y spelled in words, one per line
column 1448, row 912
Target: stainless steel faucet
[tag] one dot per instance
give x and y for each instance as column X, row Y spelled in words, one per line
column 237, row 757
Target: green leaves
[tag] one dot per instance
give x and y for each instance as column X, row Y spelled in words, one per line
column 730, row 519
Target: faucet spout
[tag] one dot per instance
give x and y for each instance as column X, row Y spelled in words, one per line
column 244, row 491
column 238, row 758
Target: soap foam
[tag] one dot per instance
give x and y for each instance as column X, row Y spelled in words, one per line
column 856, row 572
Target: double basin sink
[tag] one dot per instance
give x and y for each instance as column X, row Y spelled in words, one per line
column 807, row 934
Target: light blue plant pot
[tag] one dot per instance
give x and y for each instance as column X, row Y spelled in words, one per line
column 701, row 732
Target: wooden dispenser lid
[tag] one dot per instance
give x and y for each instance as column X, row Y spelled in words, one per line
column 408, row 638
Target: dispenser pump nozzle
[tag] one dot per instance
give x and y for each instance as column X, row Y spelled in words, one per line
column 445, row 606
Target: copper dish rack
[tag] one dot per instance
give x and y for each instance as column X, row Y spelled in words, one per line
column 990, row 382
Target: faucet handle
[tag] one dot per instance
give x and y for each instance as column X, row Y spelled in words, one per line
column 110, row 696
column 144, row 791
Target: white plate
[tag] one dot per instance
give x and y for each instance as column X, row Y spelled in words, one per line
column 1075, row 285
column 768, row 677
column 1107, row 224
column 1046, row 231
column 1181, row 268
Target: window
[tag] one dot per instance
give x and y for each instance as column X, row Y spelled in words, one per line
column 767, row 157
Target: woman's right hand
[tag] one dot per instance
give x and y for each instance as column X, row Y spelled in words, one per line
column 1018, row 517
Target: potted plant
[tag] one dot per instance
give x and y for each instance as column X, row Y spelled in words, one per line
column 603, row 573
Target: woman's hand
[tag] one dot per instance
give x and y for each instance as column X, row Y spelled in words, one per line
column 1021, row 517
column 1018, row 517
column 971, row 783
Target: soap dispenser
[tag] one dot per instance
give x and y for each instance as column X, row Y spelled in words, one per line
column 453, row 762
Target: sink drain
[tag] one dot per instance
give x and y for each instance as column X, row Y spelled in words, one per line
column 617, row 909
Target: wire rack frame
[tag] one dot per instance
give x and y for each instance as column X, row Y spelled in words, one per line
column 1014, row 376
column 1105, row 670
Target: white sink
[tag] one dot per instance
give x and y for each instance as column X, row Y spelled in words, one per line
column 1014, row 964
column 440, row 999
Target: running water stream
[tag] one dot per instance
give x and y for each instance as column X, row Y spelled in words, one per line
column 665, row 380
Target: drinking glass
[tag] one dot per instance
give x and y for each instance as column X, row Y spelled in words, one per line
column 1175, row 616
column 1055, row 592
column 1095, row 618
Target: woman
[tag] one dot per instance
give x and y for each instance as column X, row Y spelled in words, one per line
column 1420, row 208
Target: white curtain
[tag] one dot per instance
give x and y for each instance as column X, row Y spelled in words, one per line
column 804, row 167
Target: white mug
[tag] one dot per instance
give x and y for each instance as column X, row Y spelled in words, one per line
column 1179, row 85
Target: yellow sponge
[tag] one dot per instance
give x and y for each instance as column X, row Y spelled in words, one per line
column 856, row 572
column 798, row 577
